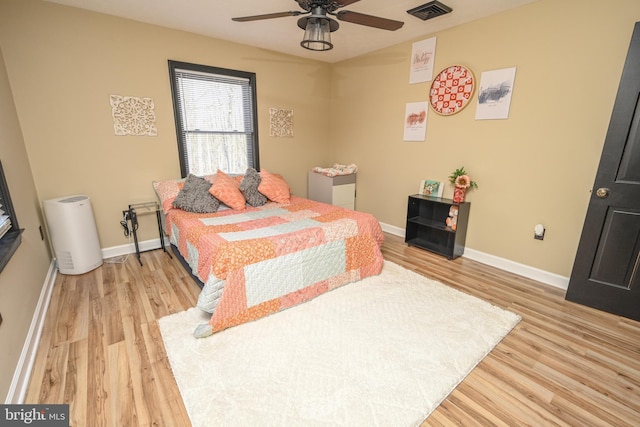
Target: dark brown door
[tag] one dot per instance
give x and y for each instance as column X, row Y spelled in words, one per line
column 606, row 271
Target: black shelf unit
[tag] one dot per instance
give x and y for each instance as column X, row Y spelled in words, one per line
column 427, row 228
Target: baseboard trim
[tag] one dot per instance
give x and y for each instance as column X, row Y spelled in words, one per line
column 501, row 263
column 22, row 374
column 130, row 248
column 527, row 271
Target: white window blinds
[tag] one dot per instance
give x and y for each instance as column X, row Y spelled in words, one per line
column 215, row 117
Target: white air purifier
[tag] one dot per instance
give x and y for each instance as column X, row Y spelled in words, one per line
column 73, row 234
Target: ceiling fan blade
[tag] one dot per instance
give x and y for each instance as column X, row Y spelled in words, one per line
column 369, row 20
column 343, row 3
column 267, row 16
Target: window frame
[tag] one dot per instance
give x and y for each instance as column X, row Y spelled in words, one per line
column 254, row 157
column 13, row 238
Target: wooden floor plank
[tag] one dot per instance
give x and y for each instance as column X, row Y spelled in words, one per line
column 137, row 367
column 122, row 411
column 75, row 387
column 98, row 395
column 564, row 364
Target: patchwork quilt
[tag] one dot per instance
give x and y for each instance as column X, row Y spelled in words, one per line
column 261, row 260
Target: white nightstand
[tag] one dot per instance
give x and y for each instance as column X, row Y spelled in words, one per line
column 335, row 190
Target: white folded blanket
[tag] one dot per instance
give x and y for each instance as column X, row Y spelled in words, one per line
column 337, row 169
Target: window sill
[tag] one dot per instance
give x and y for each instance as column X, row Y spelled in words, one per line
column 8, row 245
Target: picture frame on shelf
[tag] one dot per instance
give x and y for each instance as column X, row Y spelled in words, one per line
column 431, row 188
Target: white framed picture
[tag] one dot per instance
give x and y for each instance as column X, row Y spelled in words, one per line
column 494, row 95
column 415, row 121
column 423, row 54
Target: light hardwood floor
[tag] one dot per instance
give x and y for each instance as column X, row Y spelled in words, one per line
column 564, row 364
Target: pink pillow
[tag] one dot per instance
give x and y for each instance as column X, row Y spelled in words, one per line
column 167, row 192
column 274, row 187
column 227, row 190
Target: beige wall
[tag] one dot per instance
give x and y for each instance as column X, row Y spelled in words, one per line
column 22, row 278
column 536, row 167
column 63, row 63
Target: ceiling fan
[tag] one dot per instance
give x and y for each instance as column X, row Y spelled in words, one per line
column 318, row 25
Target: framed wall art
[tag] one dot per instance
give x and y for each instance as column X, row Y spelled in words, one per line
column 422, row 57
column 415, row 121
column 494, row 94
column 280, row 122
column 133, row 115
column 451, row 90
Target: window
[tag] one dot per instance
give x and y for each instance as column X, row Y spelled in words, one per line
column 216, row 120
column 10, row 233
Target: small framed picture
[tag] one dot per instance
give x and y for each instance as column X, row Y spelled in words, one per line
column 431, row 188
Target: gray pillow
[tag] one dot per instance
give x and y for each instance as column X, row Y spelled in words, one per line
column 249, row 188
column 195, row 196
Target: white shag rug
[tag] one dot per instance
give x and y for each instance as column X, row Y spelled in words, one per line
column 385, row 351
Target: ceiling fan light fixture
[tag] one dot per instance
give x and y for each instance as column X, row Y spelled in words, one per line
column 317, row 32
column 318, row 26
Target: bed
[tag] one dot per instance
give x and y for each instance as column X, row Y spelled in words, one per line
column 267, row 250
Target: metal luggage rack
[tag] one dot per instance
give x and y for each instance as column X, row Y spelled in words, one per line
column 131, row 215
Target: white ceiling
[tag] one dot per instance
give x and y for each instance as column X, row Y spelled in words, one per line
column 213, row 18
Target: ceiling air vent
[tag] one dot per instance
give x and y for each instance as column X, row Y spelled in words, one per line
column 430, row 10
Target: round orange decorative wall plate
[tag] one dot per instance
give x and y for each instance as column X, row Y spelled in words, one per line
column 451, row 90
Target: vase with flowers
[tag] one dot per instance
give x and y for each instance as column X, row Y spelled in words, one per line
column 461, row 181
